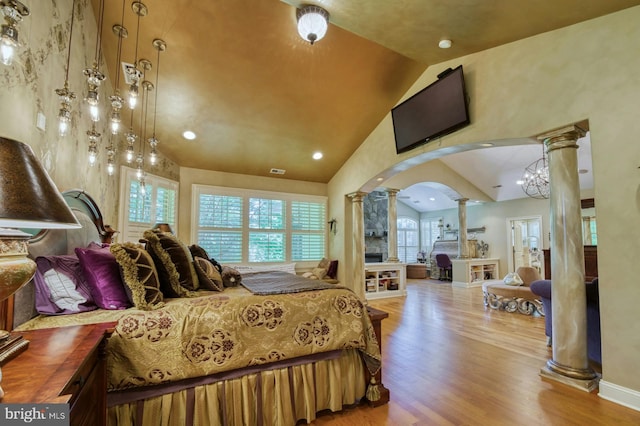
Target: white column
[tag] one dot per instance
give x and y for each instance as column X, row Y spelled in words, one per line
column 570, row 363
column 358, row 243
column 392, row 234
column 463, row 246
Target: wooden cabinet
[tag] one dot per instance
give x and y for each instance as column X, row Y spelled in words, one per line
column 62, row 366
column 474, row 272
column 590, row 263
column 384, row 280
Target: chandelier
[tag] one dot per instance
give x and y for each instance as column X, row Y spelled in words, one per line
column 535, row 180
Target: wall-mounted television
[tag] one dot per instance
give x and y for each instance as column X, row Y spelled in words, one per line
column 436, row 110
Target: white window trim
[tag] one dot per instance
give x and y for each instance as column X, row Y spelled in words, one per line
column 198, row 189
column 405, row 230
column 127, row 174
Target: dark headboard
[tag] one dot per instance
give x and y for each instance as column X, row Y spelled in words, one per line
column 21, row 307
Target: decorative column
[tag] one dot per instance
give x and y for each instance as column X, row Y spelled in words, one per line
column 570, row 363
column 463, row 246
column 392, row 219
column 358, row 242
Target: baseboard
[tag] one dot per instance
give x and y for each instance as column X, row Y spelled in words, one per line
column 620, row 395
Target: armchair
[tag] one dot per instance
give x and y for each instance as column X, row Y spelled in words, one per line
column 542, row 288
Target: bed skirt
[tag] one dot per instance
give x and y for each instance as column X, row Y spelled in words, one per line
column 279, row 396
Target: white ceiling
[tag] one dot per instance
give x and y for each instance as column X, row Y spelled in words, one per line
column 492, row 170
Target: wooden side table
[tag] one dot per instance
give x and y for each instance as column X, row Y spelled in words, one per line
column 62, row 366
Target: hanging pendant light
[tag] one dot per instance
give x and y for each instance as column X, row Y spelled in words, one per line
column 93, row 74
column 116, row 100
column 134, row 74
column 313, row 22
column 111, row 154
column 13, row 12
column 160, row 46
column 65, row 95
column 535, row 179
column 147, row 86
column 93, row 144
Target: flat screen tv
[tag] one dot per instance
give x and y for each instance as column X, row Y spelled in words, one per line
column 436, row 110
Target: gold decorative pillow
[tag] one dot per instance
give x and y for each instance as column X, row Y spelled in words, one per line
column 139, row 275
column 178, row 276
column 319, row 272
column 208, row 275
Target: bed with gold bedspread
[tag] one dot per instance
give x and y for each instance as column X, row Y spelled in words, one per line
column 233, row 357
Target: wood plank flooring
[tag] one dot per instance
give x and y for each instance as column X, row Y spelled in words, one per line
column 448, row 360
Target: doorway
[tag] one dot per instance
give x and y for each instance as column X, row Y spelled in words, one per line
column 524, row 246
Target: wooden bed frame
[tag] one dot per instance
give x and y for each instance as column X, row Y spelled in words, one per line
column 20, row 308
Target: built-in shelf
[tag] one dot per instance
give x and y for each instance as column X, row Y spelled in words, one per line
column 474, row 272
column 384, row 280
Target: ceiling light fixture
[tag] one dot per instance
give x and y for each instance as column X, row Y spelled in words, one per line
column 317, row 155
column 444, row 44
column 93, row 144
column 189, row 135
column 94, row 76
column 313, row 22
column 535, row 180
column 134, row 74
column 13, row 12
column 66, row 96
column 116, row 100
column 160, row 46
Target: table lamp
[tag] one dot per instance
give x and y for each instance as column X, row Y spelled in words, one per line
column 28, row 199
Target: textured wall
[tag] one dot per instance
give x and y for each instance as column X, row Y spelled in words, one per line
column 27, row 88
column 585, row 71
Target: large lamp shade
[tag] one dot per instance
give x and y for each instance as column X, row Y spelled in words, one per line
column 28, row 196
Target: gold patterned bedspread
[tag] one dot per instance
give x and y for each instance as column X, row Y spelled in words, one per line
column 217, row 332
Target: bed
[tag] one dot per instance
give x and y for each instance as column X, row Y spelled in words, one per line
column 222, row 357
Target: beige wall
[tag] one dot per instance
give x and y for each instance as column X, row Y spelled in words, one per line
column 586, row 71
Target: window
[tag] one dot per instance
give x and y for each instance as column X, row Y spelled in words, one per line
column 142, row 210
column 429, row 233
column 407, row 239
column 238, row 226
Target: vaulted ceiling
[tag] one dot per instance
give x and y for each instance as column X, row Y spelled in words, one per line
column 258, row 97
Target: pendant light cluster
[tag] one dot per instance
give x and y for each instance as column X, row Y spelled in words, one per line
column 133, row 76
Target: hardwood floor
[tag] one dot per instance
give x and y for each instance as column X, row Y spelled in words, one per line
column 448, row 360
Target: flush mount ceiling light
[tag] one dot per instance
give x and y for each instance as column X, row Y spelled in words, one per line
column 189, row 135
column 317, row 155
column 312, row 23
column 444, row 44
column 13, row 12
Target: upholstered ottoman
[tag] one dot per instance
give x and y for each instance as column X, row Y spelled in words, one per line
column 417, row 270
column 511, row 298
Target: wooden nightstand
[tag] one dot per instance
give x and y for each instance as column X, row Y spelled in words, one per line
column 62, row 366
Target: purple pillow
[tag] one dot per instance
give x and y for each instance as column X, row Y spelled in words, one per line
column 102, row 273
column 60, row 286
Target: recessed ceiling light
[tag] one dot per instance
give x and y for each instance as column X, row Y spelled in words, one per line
column 189, row 135
column 519, row 182
column 432, row 199
column 444, row 44
column 487, row 144
column 317, row 155
column 380, row 179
